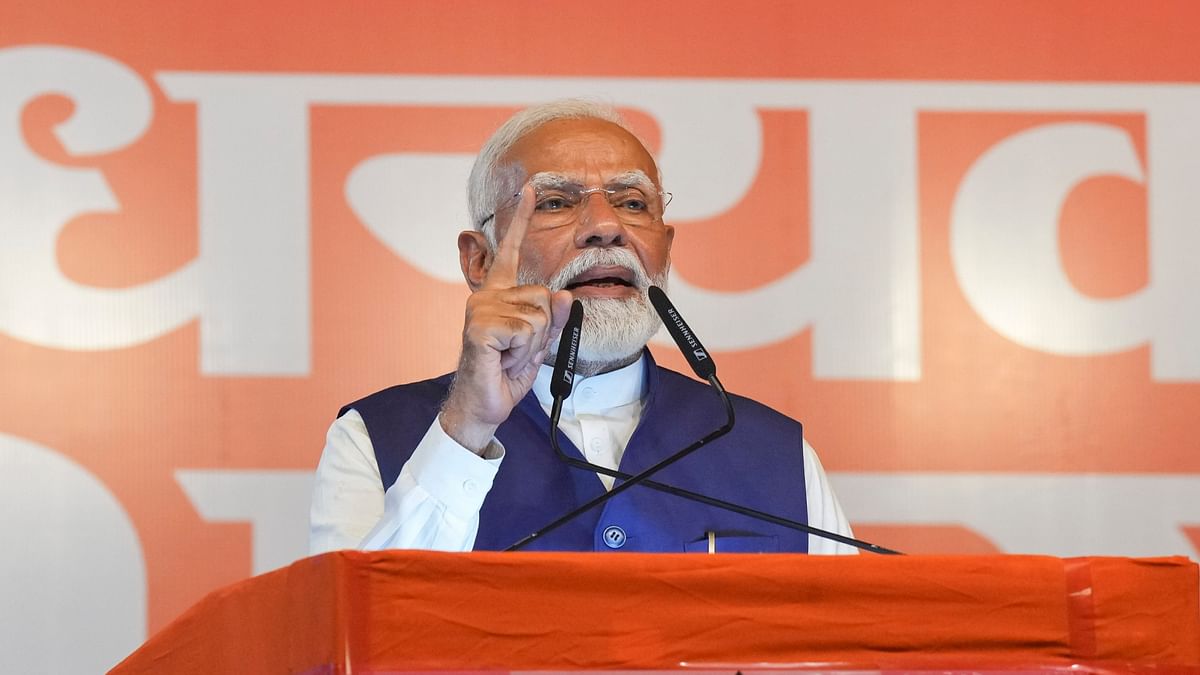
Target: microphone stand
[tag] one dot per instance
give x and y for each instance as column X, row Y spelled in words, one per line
column 643, row 479
column 561, row 389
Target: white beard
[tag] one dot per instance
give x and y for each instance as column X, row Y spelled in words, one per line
column 614, row 329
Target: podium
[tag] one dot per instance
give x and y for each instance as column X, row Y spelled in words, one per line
column 408, row 611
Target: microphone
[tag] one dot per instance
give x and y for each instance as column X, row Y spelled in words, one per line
column 562, row 381
column 689, row 344
column 568, row 350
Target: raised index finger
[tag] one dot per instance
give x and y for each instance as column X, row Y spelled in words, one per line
column 503, row 272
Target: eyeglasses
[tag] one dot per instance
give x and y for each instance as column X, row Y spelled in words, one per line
column 562, row 204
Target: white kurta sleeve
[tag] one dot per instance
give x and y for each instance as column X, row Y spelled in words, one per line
column 434, row 503
column 823, row 508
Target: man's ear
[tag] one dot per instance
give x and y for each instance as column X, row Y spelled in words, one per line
column 474, row 257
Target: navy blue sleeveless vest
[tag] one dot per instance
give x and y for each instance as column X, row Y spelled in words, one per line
column 759, row 464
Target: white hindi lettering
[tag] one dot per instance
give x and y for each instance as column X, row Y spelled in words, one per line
column 859, row 292
column 74, row 555
column 38, row 304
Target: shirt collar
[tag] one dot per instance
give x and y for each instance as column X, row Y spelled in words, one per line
column 599, row 392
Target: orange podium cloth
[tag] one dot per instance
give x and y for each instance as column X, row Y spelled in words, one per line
column 417, row 610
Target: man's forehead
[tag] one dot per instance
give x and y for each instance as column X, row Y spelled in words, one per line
column 597, row 148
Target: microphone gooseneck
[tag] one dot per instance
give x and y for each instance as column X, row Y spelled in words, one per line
column 697, row 357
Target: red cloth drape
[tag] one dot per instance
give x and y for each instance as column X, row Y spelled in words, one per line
column 418, row 610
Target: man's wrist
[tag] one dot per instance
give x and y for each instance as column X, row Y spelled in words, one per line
column 472, row 435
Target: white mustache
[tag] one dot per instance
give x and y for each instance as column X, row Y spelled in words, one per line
column 595, row 257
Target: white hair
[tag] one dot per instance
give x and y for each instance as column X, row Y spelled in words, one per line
column 486, row 186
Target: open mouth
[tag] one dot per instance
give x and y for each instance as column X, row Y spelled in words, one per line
column 604, row 282
column 602, row 277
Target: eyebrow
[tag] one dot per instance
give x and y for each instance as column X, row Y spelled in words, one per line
column 551, row 180
column 636, row 178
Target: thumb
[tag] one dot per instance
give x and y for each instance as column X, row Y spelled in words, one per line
column 560, row 310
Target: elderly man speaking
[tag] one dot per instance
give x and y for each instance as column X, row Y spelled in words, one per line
column 566, row 204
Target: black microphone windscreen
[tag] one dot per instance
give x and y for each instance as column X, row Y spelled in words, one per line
column 568, row 349
column 695, row 353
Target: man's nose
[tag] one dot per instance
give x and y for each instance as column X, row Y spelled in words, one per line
column 598, row 223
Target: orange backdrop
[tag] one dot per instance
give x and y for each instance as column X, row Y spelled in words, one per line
column 138, row 434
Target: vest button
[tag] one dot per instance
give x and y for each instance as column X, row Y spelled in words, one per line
column 614, row 537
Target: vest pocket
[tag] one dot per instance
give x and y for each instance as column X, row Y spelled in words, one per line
column 735, row 544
